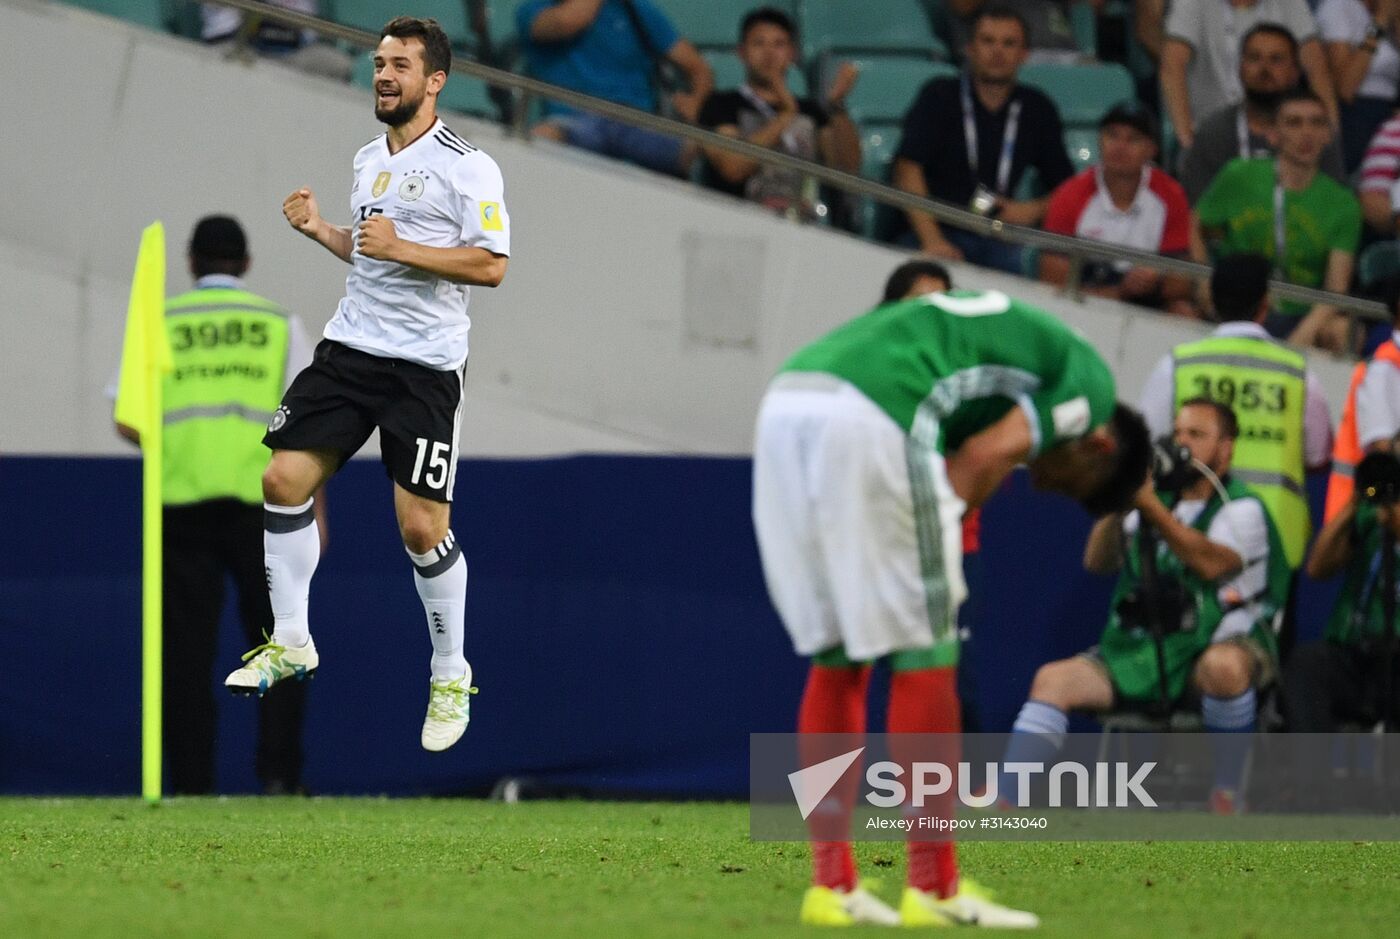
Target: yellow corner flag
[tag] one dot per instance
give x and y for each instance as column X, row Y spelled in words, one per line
column 145, row 362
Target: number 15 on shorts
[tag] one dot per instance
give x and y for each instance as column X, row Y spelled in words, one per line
column 436, row 458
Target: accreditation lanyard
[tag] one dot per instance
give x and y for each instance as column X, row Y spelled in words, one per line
column 1008, row 138
column 1280, row 236
column 768, row 113
column 1242, row 132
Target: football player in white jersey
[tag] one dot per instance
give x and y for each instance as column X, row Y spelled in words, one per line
column 429, row 223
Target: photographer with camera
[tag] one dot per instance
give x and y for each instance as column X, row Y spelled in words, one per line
column 1350, row 674
column 1191, row 620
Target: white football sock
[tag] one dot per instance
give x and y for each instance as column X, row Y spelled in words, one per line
column 291, row 550
column 441, row 578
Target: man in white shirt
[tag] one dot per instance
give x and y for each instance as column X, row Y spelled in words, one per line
column 430, row 222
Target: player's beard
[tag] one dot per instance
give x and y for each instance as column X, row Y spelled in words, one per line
column 406, row 111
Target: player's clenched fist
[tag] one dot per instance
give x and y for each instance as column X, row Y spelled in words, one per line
column 378, row 238
column 302, row 212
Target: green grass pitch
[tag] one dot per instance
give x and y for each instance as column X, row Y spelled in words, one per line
column 363, row 867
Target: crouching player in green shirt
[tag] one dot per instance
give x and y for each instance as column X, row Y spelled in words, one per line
column 871, row 444
column 1221, row 577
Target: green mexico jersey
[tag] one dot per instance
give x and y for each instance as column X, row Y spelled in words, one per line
column 949, row 365
column 1318, row 220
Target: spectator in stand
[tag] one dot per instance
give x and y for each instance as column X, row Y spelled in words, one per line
column 1269, row 67
column 1201, row 56
column 223, row 26
column 970, row 140
column 1050, row 35
column 1380, row 180
column 1284, row 208
column 1360, row 42
column 764, row 111
column 1127, row 201
column 612, row 49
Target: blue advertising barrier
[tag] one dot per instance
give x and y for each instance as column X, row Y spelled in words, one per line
column 617, row 624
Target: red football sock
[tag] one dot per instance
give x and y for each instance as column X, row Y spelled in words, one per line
column 925, row 701
column 833, row 703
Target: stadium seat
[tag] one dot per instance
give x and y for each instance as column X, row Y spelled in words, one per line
column 468, row 95
column 889, row 84
column 878, row 143
column 714, row 24
column 1082, row 92
column 148, row 13
column 371, row 15
column 1084, row 22
column 1377, row 264
column 869, row 26
column 729, row 72
column 1082, row 145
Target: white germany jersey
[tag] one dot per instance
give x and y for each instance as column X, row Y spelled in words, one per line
column 439, row 191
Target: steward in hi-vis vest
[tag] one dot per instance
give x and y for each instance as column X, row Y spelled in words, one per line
column 1284, row 422
column 234, row 353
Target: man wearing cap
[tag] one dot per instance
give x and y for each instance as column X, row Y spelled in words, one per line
column 234, row 354
column 1126, row 201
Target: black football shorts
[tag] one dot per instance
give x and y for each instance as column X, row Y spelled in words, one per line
column 337, row 401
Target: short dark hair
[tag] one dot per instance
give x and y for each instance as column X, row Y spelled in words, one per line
column 1271, row 29
column 770, row 15
column 1225, row 417
column 999, row 11
column 1130, row 463
column 1300, row 93
column 1239, row 284
column 218, row 246
column 903, row 277
column 437, row 50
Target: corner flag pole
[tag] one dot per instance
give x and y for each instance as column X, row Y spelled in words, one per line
column 145, row 361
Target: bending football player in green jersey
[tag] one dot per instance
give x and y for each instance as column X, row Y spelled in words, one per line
column 871, row 444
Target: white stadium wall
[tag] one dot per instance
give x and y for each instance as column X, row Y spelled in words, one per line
column 639, row 315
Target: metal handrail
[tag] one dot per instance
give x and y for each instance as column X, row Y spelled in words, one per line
column 1078, row 249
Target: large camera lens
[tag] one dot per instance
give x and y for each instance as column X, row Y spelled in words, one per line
column 1378, row 479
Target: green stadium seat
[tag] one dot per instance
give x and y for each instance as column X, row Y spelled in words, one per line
column 714, row 24
column 1085, row 25
column 1082, row 145
column 147, row 13
column 1379, row 263
column 729, row 72
column 878, row 143
column 371, row 15
column 1081, row 92
column 468, row 95
column 889, row 84
column 869, row 26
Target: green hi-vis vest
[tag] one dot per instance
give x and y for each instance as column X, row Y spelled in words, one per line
column 1128, row 649
column 1265, row 383
column 230, row 353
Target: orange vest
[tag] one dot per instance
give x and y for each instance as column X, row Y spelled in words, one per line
column 1346, row 451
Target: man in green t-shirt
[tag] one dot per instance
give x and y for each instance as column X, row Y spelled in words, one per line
column 871, row 444
column 1314, row 241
